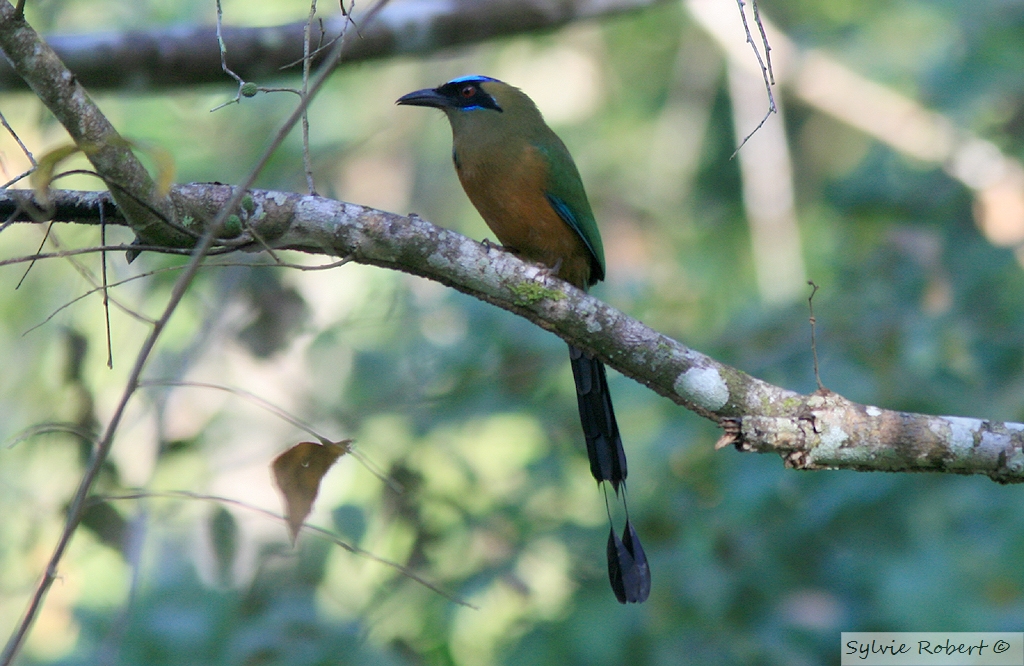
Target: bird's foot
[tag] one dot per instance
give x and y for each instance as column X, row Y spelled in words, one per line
column 547, row 271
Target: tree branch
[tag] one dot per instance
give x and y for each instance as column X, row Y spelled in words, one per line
column 822, row 430
column 111, row 155
column 189, row 55
column 95, row 136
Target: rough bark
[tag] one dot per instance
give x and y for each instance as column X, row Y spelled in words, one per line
column 822, row 430
column 111, row 155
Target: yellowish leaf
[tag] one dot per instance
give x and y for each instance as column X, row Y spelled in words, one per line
column 164, row 162
column 42, row 176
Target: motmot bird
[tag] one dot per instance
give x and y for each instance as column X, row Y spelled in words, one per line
column 524, row 183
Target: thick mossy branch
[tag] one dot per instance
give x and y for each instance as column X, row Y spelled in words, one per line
column 817, row 431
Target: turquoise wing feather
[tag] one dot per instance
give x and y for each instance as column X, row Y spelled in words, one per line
column 566, row 194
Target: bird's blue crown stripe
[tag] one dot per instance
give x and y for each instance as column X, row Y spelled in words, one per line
column 473, row 77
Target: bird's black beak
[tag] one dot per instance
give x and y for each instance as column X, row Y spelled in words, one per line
column 426, row 97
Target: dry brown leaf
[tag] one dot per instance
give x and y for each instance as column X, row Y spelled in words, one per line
column 298, row 472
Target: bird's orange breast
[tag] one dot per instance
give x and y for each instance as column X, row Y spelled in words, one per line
column 509, row 193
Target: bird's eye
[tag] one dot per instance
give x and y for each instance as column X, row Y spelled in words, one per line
column 468, row 91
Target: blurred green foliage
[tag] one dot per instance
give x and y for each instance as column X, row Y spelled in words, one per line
column 471, row 409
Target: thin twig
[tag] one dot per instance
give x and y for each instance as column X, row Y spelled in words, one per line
column 148, row 207
column 106, row 291
column 324, row 46
column 22, row 176
column 355, row 550
column 102, row 449
column 24, row 148
column 121, row 247
column 814, row 342
column 307, row 162
column 258, row 237
column 284, row 415
column 347, row 13
column 165, row 269
column 224, row 60
column 88, row 276
column 92, row 291
column 769, row 81
column 44, row 428
column 767, row 115
column 32, row 263
column 223, row 47
column 161, row 249
column 764, row 41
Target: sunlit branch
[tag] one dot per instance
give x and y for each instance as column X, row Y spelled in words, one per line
column 45, row 76
column 816, row 431
column 63, row 95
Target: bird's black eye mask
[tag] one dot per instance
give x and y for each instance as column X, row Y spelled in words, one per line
column 468, row 95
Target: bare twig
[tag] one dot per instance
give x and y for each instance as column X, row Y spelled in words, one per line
column 91, row 279
column 323, row 46
column 814, row 342
column 45, row 428
column 355, row 550
column 24, row 148
column 224, row 60
column 769, row 78
column 284, row 415
column 102, row 288
column 121, row 247
column 32, row 263
column 166, row 269
column 764, row 42
column 14, row 180
column 306, row 160
column 102, row 449
column 106, row 291
column 64, row 96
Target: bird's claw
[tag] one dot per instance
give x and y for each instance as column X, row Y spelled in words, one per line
column 488, row 245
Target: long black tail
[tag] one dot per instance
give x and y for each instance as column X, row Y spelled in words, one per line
column 604, row 446
column 628, row 571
